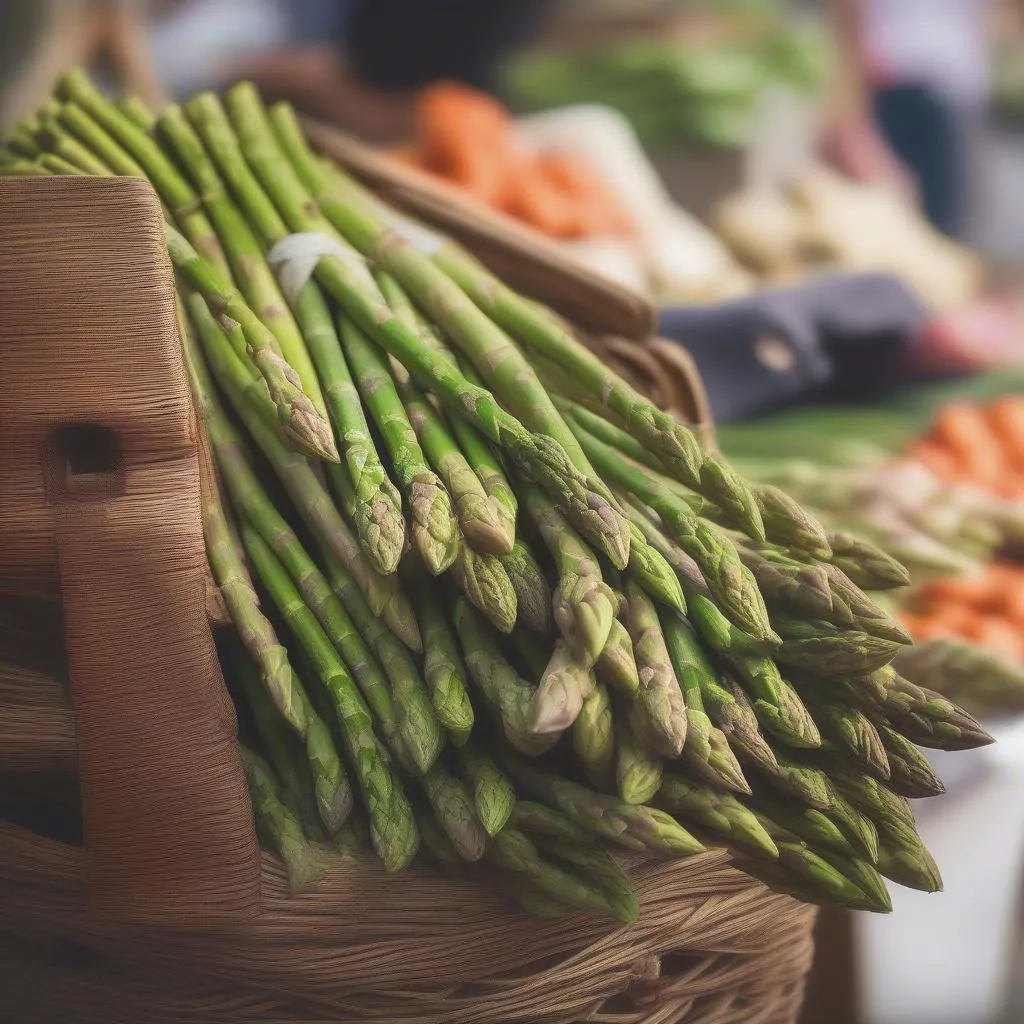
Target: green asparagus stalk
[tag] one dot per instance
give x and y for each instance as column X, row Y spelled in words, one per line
column 392, row 826
column 663, row 724
column 638, row 770
column 874, row 799
column 484, row 580
column 807, row 824
column 281, row 748
column 312, row 501
column 634, row 827
column 729, row 708
column 913, row 866
column 706, row 749
column 720, row 813
column 56, row 139
column 138, row 112
column 540, row 820
column 601, row 869
column 584, row 605
column 512, row 850
column 911, row 774
column 244, row 251
column 536, row 456
column 278, row 827
column 871, row 617
column 300, row 422
column 789, row 584
column 564, row 686
column 616, row 667
column 443, row 667
column 927, row 718
column 493, row 793
column 180, row 197
column 855, row 733
column 865, row 564
column 509, row 695
column 454, row 809
column 822, row 649
column 477, row 516
column 593, row 737
column 533, row 592
column 731, row 583
column 435, row 841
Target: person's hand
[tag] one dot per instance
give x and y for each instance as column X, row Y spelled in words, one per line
column 854, row 146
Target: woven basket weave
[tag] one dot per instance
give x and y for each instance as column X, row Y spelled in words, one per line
column 163, row 909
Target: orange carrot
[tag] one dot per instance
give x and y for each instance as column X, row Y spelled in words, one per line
column 965, row 431
column 997, row 634
column 1006, row 417
column 939, row 459
column 466, row 135
column 980, row 590
column 541, row 203
column 599, row 211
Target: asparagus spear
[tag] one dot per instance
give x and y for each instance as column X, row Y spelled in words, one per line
column 509, row 695
column 731, row 583
column 865, row 563
column 392, row 826
column 564, row 686
column 138, row 112
column 372, row 501
column 443, row 667
column 278, row 827
column 476, row 513
column 243, row 250
column 533, row 593
column 602, row 869
column 853, row 732
column 493, row 793
column 871, row 617
column 243, row 387
column 484, row 580
column 616, row 666
column 584, row 604
column 512, row 850
column 706, row 749
column 730, row 709
column 638, row 770
column 789, row 584
column 54, row 138
column 720, row 813
column 301, row 424
column 820, row 648
column 455, row 812
column 911, row 774
column 536, row 456
column 593, row 737
column 634, row 827
column 664, row 724
column 540, row 820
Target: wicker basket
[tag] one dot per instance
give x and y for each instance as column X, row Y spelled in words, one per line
column 163, row 909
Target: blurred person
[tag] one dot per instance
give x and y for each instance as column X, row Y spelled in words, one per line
column 912, row 99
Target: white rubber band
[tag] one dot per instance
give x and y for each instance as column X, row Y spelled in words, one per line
column 295, row 257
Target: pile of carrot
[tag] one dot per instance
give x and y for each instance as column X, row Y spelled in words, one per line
column 978, row 445
column 467, row 138
column 987, row 608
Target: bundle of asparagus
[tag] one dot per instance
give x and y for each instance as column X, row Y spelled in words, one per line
column 489, row 603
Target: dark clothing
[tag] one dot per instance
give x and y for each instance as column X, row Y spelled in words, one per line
column 405, row 44
column 929, row 135
column 843, row 334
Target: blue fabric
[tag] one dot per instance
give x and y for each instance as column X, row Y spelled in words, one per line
column 926, row 131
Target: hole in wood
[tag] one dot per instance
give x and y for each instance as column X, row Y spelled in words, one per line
column 84, row 461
